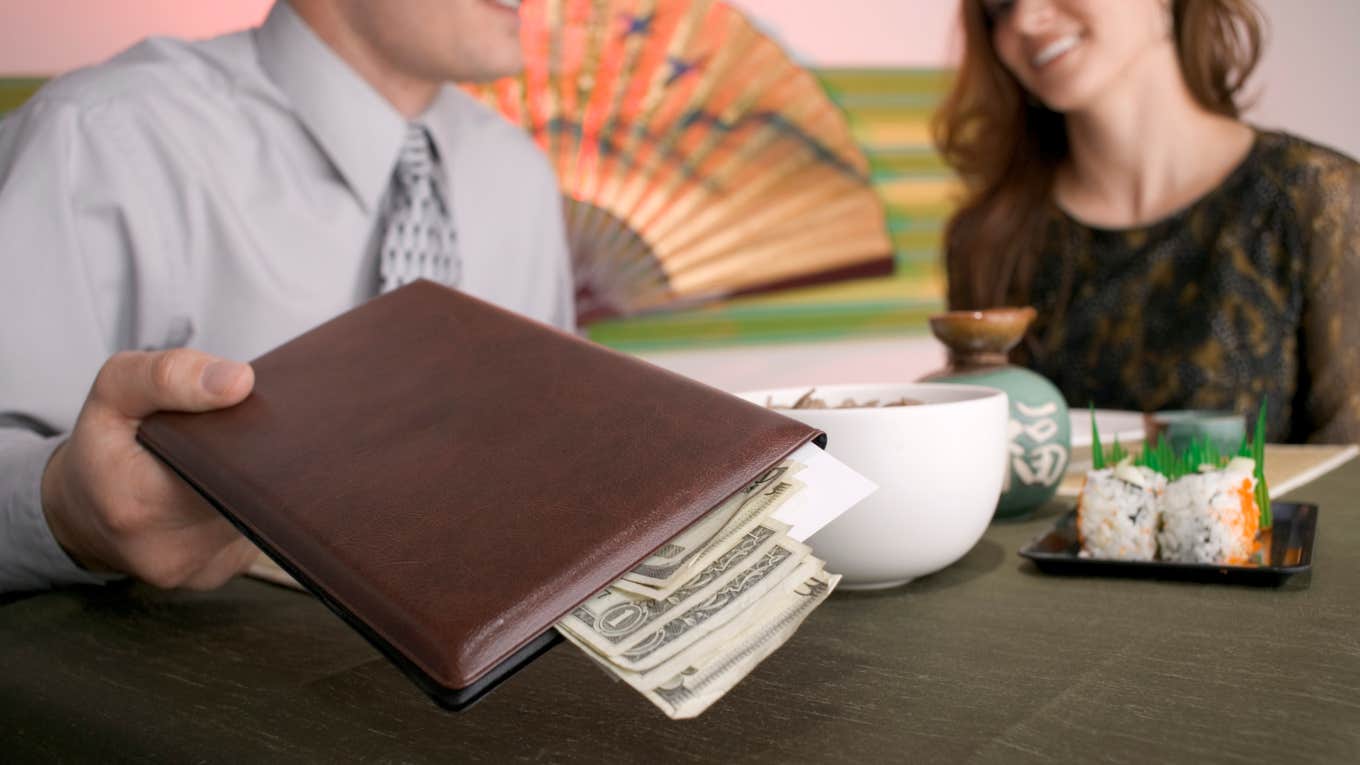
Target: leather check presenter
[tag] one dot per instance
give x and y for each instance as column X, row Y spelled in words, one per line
column 451, row 478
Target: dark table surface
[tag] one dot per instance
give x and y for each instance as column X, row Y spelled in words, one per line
column 987, row 661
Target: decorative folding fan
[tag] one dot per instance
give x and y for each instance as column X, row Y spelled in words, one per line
column 697, row 159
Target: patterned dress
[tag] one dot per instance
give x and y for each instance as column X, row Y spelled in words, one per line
column 1251, row 293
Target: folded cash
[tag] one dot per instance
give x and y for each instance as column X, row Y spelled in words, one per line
column 697, row 616
column 637, row 632
column 690, row 680
column 741, row 515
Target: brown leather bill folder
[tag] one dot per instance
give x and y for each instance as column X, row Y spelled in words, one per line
column 451, row 478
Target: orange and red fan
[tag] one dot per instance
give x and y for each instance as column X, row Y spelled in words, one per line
column 697, row 160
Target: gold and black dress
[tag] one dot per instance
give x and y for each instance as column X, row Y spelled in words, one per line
column 1251, row 293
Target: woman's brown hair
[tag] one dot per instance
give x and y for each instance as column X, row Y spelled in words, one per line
column 1006, row 146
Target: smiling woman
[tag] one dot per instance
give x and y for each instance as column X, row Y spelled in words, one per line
column 1178, row 257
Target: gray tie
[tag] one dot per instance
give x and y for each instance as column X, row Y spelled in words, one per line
column 418, row 239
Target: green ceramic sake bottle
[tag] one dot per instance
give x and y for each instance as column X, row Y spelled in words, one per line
column 1040, row 433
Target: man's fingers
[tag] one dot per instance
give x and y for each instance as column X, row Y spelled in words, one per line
column 154, row 489
column 159, row 503
column 231, row 560
column 199, row 556
column 136, row 383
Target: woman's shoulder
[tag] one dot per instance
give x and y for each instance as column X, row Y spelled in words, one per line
column 1297, row 165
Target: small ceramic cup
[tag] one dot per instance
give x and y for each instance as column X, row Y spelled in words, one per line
column 1179, row 427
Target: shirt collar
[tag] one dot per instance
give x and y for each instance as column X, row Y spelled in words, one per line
column 454, row 117
column 359, row 131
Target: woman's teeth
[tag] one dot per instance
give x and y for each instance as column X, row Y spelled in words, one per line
column 511, row 4
column 1055, row 49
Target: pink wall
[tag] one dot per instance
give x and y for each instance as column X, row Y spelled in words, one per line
column 49, row 36
column 885, row 33
column 43, row 37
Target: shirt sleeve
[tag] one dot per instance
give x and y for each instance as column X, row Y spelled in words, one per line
column 30, row 557
column 79, row 276
column 559, row 259
column 1331, row 331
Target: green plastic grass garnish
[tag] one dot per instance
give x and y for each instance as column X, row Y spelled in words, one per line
column 1258, row 453
column 1118, row 452
column 1097, row 452
column 1162, row 458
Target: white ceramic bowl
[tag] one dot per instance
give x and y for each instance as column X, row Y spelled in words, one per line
column 939, row 467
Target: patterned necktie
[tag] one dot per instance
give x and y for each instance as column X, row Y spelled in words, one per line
column 418, row 239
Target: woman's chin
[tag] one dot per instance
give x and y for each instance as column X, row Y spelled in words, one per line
column 1065, row 100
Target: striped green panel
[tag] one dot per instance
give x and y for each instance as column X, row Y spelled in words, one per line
column 862, row 111
column 887, row 83
column 935, row 210
column 890, row 164
column 732, row 325
column 14, row 92
column 926, row 240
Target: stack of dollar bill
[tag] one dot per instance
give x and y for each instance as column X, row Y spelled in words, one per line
column 697, row 616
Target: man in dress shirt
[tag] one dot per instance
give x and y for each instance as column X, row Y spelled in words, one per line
column 187, row 205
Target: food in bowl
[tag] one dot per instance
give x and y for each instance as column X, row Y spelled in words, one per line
column 810, row 401
column 939, row 466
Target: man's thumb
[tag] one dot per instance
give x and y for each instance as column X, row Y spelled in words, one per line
column 137, row 383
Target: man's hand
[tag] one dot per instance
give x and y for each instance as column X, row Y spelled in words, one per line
column 115, row 507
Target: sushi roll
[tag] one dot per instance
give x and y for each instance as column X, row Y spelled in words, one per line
column 1211, row 516
column 1117, row 513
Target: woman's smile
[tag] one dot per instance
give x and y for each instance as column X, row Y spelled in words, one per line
column 1054, row 50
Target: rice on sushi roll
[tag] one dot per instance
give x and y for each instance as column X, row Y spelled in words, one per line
column 1117, row 513
column 1211, row 516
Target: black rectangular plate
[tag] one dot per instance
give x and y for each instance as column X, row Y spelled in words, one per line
column 1291, row 552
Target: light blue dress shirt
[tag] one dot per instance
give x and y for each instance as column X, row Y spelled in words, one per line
column 223, row 195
